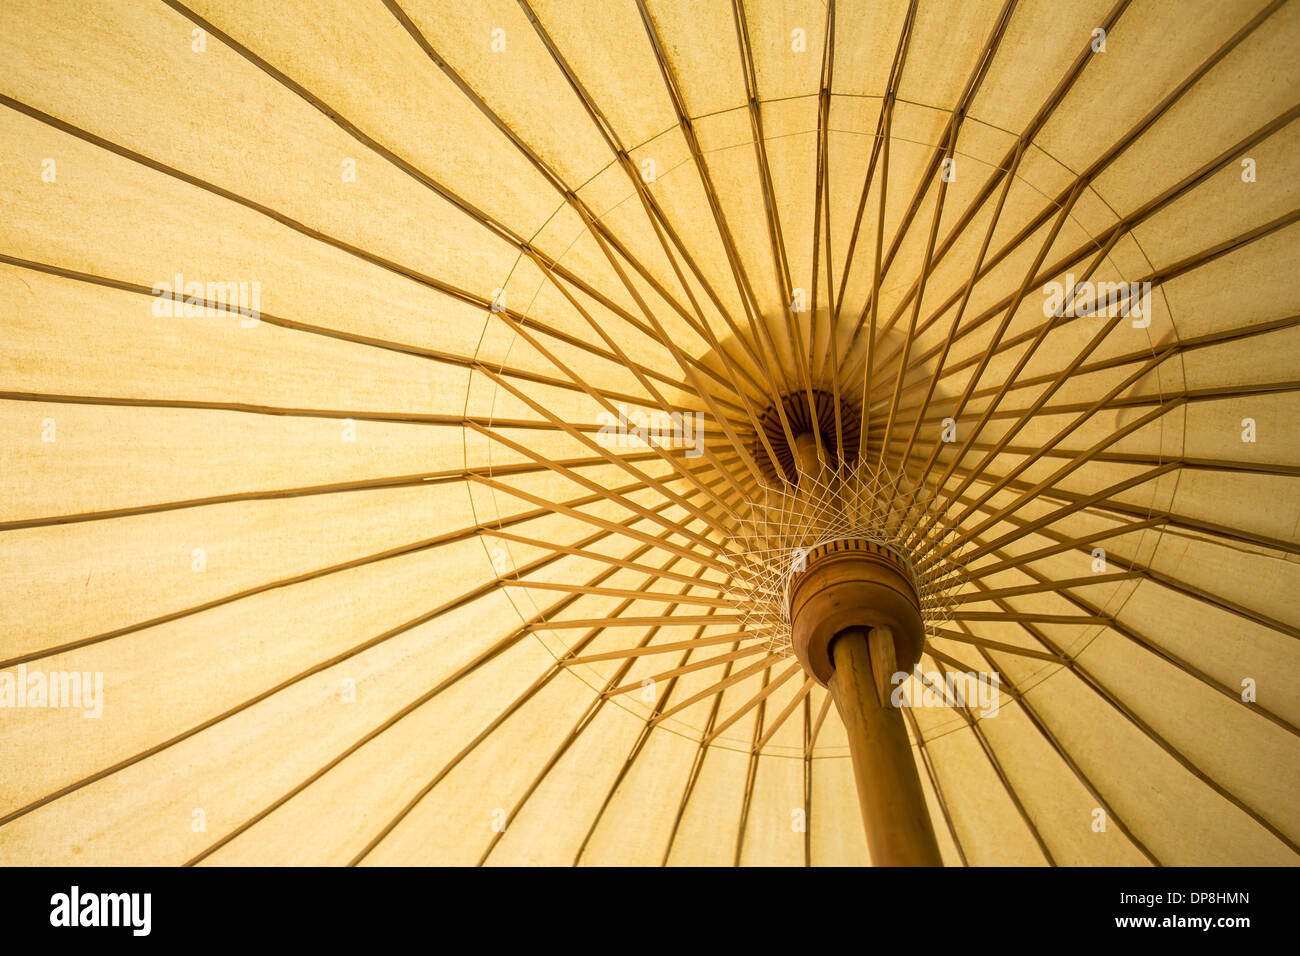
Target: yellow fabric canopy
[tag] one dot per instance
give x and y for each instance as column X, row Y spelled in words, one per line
column 387, row 386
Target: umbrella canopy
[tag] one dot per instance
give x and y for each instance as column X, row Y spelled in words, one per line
column 415, row 414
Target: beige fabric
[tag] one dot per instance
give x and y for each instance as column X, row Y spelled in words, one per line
column 331, row 564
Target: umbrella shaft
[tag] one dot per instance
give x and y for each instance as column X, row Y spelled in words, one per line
column 894, row 811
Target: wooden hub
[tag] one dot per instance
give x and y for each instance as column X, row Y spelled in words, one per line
column 852, row 582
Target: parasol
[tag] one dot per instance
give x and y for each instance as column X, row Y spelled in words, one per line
column 653, row 432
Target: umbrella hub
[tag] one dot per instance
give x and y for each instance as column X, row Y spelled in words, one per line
column 803, row 434
column 852, row 524
column 853, row 582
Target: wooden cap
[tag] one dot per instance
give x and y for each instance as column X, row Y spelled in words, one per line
column 847, row 583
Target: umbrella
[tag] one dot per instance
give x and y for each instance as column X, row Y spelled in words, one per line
column 754, row 432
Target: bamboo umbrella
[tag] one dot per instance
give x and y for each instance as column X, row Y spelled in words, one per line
column 660, row 431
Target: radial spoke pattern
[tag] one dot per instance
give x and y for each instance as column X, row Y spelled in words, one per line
column 402, row 406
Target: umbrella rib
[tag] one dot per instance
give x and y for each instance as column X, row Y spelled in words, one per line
column 568, row 512
column 1082, row 501
column 996, row 764
column 427, row 181
column 1232, row 694
column 994, row 219
column 462, row 600
column 1066, row 543
column 551, row 672
column 926, row 265
column 807, row 763
column 1114, row 624
column 1003, row 171
column 1049, row 586
column 1189, row 396
column 1182, row 347
column 653, row 596
column 1095, row 684
column 697, row 389
column 682, row 619
column 651, row 209
column 1078, row 502
column 289, row 222
column 559, row 422
column 821, row 719
column 1231, row 607
column 598, row 556
column 1104, row 161
column 1278, row 470
column 436, row 355
column 967, row 638
column 747, row 297
column 420, row 279
column 1078, row 461
column 571, row 196
column 928, row 762
column 692, row 778
column 642, row 739
column 1156, row 278
column 730, row 366
column 623, row 592
column 492, row 652
column 768, row 357
column 719, row 687
column 800, row 696
column 879, row 142
column 754, row 701
column 1068, row 429
column 1056, row 745
column 621, row 155
column 821, row 190
column 822, row 213
column 583, row 722
column 864, row 429
column 751, row 775
column 426, row 544
column 1169, row 349
column 1021, row 363
column 772, row 215
column 703, row 394
column 956, row 117
column 1008, row 315
column 397, row 418
column 431, row 478
column 692, row 668
column 678, row 355
column 1034, row 617
column 732, row 637
column 591, row 485
column 1124, row 225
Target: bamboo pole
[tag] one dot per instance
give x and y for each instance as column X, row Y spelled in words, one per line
column 894, row 812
